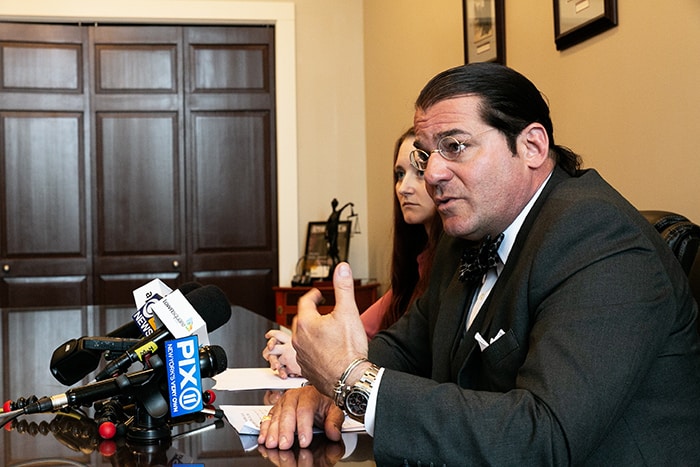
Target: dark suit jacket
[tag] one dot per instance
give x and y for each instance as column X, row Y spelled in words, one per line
column 599, row 364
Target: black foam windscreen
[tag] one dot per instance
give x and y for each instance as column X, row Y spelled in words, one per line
column 211, row 304
column 212, row 360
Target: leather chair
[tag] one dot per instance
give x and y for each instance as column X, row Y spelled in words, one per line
column 683, row 236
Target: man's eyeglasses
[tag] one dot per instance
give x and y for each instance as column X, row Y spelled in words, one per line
column 448, row 147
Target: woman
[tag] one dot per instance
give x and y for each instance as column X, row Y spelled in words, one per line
column 417, row 228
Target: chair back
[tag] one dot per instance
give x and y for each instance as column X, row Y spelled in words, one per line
column 683, row 237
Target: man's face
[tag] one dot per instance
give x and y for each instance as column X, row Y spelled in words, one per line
column 485, row 187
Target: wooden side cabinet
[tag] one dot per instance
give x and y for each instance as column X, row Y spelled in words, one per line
column 286, row 299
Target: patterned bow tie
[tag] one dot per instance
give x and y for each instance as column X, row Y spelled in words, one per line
column 477, row 260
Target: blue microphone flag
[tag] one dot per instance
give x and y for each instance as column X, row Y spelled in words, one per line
column 184, row 376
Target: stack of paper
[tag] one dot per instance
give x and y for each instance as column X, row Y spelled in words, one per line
column 242, row 379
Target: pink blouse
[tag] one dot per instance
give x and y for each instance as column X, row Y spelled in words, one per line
column 372, row 316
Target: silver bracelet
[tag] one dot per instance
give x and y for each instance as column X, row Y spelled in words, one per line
column 339, row 388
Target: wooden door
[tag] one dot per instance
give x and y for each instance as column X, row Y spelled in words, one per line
column 137, row 95
column 44, row 243
column 229, row 112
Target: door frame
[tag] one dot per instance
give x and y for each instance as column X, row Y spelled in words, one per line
column 192, row 12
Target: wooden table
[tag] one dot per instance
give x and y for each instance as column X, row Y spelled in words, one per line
column 71, row 439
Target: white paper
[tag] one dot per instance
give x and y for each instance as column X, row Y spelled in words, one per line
column 242, row 379
column 246, row 419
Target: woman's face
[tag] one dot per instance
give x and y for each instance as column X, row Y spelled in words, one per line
column 416, row 204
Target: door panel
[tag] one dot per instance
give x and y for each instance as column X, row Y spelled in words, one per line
column 230, row 67
column 57, row 65
column 240, row 285
column 27, row 291
column 43, row 185
column 137, row 177
column 228, row 212
column 136, row 68
column 118, row 288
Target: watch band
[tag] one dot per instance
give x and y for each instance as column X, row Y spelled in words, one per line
column 340, row 388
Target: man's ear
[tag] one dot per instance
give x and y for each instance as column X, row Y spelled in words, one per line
column 533, row 143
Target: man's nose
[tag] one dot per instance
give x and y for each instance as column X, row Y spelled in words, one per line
column 436, row 170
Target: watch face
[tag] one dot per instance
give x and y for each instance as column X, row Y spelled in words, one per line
column 356, row 403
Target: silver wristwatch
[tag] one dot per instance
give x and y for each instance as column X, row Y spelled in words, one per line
column 356, row 396
column 340, row 388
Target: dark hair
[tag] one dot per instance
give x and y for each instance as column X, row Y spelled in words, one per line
column 509, row 102
column 410, row 240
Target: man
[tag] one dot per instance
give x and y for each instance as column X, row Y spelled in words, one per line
column 577, row 345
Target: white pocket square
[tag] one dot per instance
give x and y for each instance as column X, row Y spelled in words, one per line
column 482, row 342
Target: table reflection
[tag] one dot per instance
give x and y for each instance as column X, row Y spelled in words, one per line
column 71, row 437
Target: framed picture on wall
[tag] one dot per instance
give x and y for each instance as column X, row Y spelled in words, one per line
column 316, row 260
column 484, row 31
column 578, row 20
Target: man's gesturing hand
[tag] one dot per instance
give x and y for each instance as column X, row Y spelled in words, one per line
column 327, row 344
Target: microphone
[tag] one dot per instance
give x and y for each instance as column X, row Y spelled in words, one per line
column 211, row 304
column 132, row 329
column 74, row 359
column 212, row 361
column 113, row 416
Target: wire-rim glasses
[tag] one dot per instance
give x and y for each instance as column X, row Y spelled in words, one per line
column 448, row 147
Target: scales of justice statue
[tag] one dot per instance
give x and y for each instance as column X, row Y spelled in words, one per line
column 332, row 235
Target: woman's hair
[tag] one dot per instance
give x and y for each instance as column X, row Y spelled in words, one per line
column 509, row 102
column 410, row 240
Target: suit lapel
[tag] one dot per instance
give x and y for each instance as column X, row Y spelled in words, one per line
column 465, row 354
column 467, row 345
column 488, row 312
column 449, row 326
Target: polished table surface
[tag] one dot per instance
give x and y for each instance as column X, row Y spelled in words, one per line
column 71, row 438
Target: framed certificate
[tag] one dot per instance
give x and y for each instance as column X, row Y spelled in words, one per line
column 316, row 261
column 578, row 20
column 484, row 31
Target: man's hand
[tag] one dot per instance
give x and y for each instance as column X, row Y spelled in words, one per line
column 327, row 344
column 297, row 411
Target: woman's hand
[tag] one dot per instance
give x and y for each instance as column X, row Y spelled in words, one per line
column 280, row 353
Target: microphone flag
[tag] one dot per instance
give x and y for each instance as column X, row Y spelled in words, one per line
column 180, row 318
column 184, row 376
column 145, row 297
